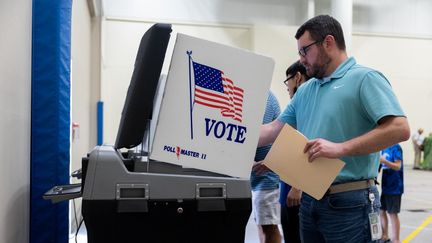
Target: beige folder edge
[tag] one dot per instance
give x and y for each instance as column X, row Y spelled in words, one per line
column 286, row 158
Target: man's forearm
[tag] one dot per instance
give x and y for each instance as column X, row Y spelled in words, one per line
column 269, row 132
column 391, row 131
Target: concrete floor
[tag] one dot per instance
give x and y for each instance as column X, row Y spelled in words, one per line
column 415, row 216
column 416, row 206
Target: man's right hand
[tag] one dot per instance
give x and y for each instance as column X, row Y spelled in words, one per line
column 260, row 168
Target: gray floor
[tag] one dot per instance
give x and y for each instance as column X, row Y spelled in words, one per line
column 416, row 210
column 416, row 205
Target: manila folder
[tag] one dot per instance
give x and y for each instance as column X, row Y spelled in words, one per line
column 286, row 158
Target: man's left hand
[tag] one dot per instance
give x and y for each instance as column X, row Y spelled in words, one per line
column 323, row 148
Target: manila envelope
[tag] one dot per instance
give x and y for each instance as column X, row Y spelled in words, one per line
column 286, row 158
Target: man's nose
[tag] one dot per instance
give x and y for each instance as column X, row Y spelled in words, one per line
column 302, row 59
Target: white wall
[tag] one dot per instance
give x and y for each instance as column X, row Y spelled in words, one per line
column 81, row 80
column 85, row 53
column 277, row 42
column 402, row 17
column 406, row 63
column 85, row 79
column 15, row 83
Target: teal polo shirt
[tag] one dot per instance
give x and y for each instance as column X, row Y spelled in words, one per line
column 343, row 106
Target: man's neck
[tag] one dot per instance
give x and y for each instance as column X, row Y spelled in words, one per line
column 336, row 62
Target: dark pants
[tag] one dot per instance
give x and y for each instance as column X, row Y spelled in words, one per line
column 338, row 218
column 290, row 223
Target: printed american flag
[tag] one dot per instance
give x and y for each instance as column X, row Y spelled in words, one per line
column 214, row 89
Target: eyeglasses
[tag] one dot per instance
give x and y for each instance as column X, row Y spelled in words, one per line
column 286, row 80
column 303, row 51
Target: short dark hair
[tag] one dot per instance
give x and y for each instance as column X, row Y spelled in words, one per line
column 321, row 26
column 296, row 67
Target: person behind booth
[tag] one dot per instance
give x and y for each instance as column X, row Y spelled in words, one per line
column 392, row 188
column 427, row 153
column 348, row 112
column 290, row 196
column 417, row 140
column 265, row 186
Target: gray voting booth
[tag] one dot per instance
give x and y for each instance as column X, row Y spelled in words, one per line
column 128, row 198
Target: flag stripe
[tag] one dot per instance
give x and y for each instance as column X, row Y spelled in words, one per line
column 209, row 104
column 239, row 95
column 213, row 102
column 206, row 93
column 214, row 90
column 210, row 100
column 225, row 109
column 232, row 84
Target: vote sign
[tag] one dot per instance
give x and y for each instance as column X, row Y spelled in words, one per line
column 212, row 107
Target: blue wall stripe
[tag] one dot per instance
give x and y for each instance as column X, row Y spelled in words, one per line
column 50, row 118
column 100, row 122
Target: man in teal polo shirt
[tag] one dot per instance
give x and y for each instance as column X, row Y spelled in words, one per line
column 349, row 112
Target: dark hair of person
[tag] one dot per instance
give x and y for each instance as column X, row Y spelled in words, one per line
column 296, row 67
column 321, row 26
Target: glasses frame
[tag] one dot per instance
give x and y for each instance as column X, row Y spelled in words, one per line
column 286, row 80
column 303, row 51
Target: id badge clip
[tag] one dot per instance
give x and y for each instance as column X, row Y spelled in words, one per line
column 374, row 220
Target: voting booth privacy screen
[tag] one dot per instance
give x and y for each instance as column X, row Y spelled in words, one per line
column 212, row 107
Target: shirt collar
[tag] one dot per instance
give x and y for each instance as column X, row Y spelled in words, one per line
column 340, row 71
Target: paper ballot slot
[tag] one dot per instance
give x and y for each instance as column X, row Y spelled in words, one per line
column 132, row 191
column 211, row 190
column 287, row 159
column 212, row 107
column 63, row 192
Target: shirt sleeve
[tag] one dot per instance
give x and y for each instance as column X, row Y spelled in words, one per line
column 288, row 115
column 397, row 153
column 378, row 98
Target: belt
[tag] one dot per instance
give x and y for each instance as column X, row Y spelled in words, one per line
column 350, row 186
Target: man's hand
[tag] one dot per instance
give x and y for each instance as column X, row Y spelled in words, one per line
column 323, row 148
column 390, row 130
column 294, row 197
column 259, row 168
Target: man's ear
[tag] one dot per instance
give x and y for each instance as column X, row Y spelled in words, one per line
column 329, row 41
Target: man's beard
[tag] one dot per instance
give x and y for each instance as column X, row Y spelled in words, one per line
column 318, row 69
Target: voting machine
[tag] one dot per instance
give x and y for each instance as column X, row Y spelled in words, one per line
column 127, row 197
